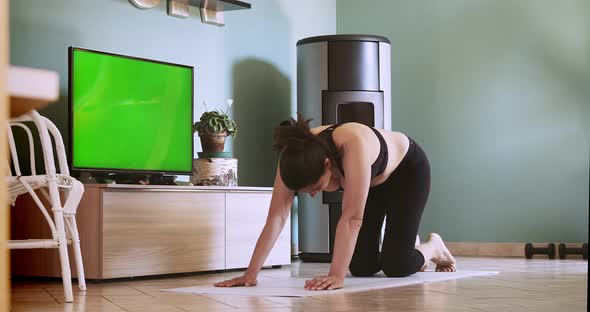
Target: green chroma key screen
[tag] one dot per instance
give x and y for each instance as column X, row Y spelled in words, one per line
column 130, row 113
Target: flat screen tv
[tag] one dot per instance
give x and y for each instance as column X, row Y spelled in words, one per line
column 129, row 114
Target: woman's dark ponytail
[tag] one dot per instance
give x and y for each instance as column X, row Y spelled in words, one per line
column 302, row 153
column 291, row 131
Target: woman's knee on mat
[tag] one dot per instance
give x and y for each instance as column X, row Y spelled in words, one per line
column 392, row 271
column 400, row 267
column 362, row 270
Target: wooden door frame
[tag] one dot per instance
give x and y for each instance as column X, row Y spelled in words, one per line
column 4, row 107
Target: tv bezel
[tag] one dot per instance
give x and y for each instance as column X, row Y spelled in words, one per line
column 70, row 149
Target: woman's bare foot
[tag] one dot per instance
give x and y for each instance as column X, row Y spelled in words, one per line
column 441, row 256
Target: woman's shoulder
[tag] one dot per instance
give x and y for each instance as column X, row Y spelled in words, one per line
column 347, row 125
column 346, row 129
column 345, row 132
column 319, row 129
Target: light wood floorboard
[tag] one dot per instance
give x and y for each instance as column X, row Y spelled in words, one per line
column 522, row 285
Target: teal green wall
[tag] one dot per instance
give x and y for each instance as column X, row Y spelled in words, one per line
column 498, row 94
column 251, row 59
column 495, row 91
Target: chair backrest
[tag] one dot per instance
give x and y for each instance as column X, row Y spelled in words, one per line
column 46, row 130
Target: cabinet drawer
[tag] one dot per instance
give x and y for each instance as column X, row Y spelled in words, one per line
column 246, row 214
column 147, row 232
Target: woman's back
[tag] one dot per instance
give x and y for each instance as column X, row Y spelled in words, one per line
column 397, row 144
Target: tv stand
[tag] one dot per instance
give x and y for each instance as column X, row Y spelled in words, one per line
column 160, row 179
column 140, row 230
column 144, row 178
column 131, row 178
column 87, row 177
column 126, row 178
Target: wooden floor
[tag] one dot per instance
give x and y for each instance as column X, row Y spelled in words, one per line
column 522, row 285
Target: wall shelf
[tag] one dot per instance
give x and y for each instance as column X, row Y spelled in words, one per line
column 31, row 88
column 211, row 10
column 220, row 5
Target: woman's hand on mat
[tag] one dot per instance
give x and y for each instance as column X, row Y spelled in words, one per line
column 326, row 282
column 244, row 280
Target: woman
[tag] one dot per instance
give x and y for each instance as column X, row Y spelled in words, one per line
column 381, row 172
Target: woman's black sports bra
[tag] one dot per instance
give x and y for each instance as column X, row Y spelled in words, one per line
column 377, row 168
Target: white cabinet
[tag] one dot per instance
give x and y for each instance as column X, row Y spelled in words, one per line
column 245, row 218
column 162, row 232
column 139, row 230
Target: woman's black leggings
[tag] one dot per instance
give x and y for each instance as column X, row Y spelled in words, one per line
column 402, row 198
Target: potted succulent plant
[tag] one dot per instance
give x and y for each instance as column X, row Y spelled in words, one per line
column 213, row 127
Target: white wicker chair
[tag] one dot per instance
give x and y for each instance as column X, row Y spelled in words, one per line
column 63, row 225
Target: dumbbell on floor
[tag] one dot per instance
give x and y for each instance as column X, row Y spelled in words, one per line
column 529, row 250
column 564, row 251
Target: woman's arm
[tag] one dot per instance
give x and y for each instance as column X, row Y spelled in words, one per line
column 280, row 207
column 356, row 189
column 357, row 166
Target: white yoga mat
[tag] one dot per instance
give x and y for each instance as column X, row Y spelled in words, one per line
column 293, row 286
